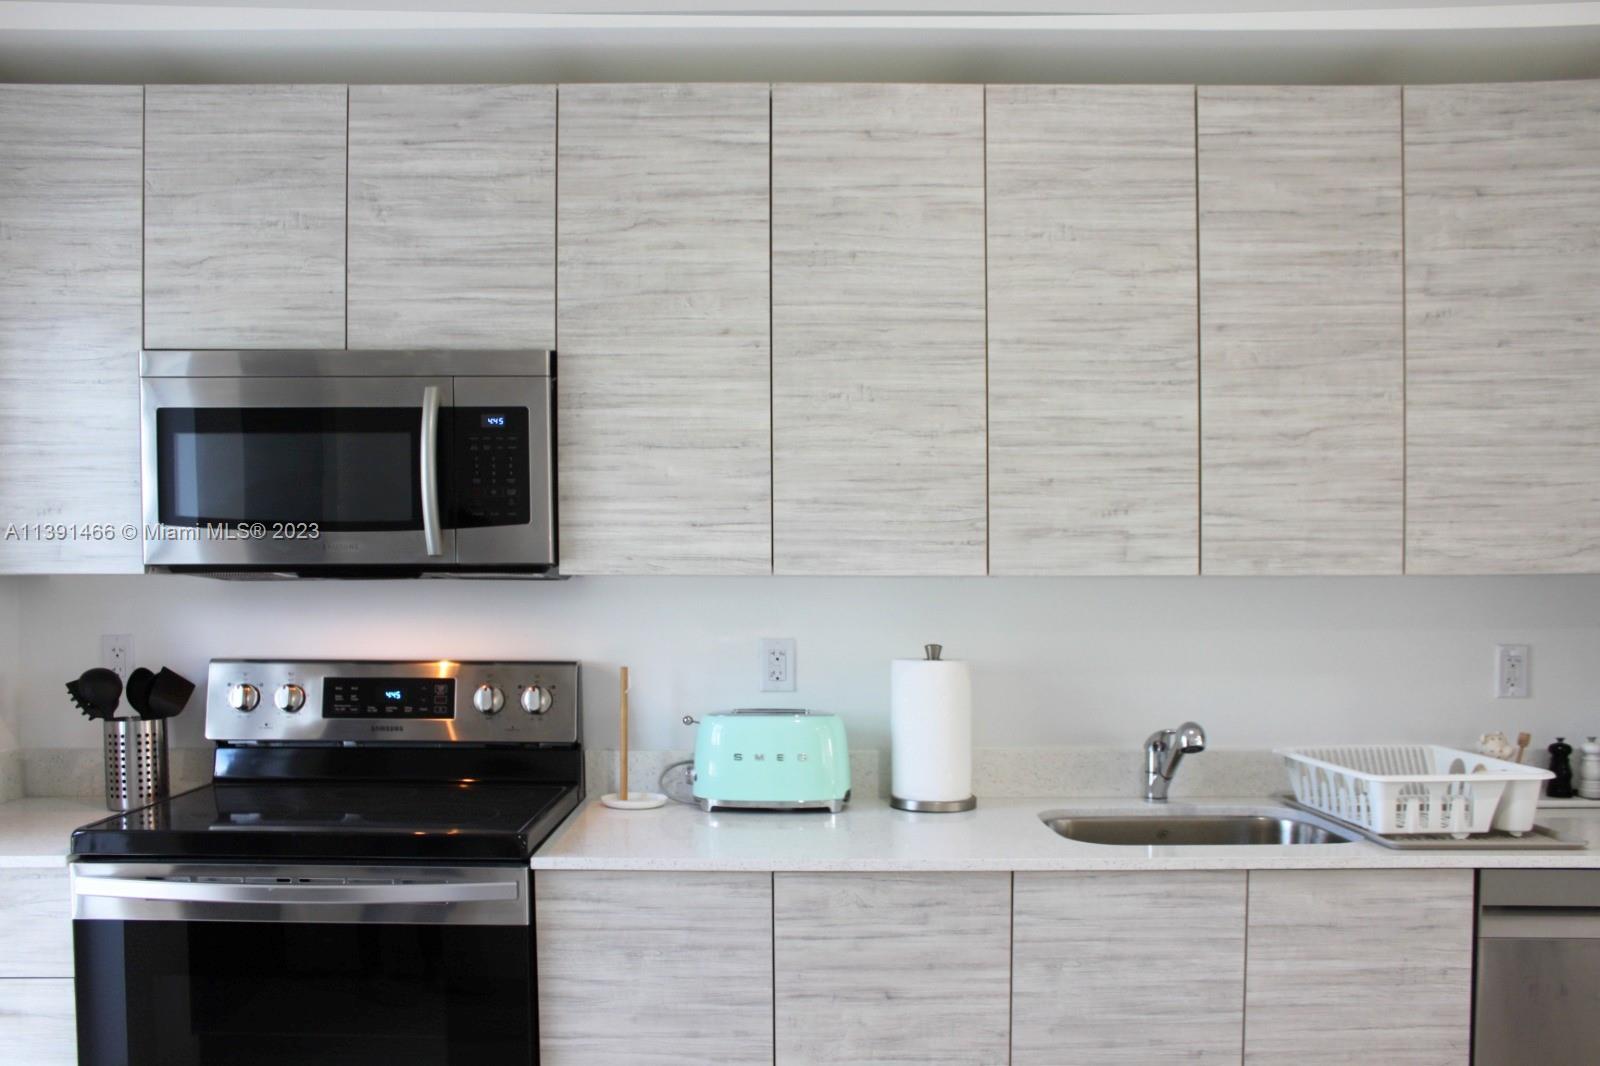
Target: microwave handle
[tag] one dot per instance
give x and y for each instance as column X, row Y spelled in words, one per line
column 430, row 470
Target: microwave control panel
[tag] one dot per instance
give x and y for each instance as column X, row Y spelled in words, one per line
column 491, row 463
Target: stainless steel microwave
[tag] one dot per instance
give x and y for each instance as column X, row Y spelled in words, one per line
column 348, row 463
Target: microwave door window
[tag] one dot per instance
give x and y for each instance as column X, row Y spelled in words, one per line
column 346, row 469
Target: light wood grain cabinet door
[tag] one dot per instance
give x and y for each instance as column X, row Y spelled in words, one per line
column 878, row 391
column 665, row 282
column 38, row 1022
column 1128, row 969
column 1093, row 358
column 452, row 216
column 1503, row 328
column 1359, row 966
column 892, row 968
column 244, row 216
column 35, row 922
column 654, row 969
column 69, row 326
column 1301, row 320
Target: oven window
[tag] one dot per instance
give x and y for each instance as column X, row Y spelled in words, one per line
column 346, row 469
column 286, row 994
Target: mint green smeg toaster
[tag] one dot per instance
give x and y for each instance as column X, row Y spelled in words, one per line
column 780, row 760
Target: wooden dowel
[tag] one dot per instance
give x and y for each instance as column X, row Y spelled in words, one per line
column 623, row 792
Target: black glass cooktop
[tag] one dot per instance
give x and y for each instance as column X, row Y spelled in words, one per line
column 368, row 820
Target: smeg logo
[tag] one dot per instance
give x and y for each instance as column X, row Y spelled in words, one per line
column 761, row 756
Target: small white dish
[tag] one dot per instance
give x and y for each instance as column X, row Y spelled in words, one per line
column 636, row 801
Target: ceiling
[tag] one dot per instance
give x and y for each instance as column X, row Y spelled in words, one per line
column 1210, row 41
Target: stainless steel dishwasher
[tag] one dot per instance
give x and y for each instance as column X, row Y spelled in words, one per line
column 1538, row 989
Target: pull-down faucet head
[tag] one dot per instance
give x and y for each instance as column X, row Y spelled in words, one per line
column 1162, row 753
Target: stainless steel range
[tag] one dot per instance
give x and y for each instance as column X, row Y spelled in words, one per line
column 353, row 887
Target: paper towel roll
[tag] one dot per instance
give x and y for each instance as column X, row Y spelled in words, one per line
column 930, row 728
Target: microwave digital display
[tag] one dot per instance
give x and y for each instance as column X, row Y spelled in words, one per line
column 389, row 697
column 492, row 421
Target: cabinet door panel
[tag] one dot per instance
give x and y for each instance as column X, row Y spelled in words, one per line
column 452, row 216
column 38, row 1023
column 69, row 324
column 1093, row 359
column 892, row 968
column 878, row 393
column 1503, row 328
column 244, row 216
column 1128, row 969
column 654, row 969
column 665, row 384
column 1301, row 344
column 35, row 922
column 1359, row 966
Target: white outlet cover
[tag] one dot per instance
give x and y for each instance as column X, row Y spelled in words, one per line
column 116, row 653
column 777, row 664
column 1513, row 667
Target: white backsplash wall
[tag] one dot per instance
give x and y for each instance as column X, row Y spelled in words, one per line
column 1056, row 662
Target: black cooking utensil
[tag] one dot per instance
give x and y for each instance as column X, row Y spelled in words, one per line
column 137, row 691
column 169, row 693
column 97, row 692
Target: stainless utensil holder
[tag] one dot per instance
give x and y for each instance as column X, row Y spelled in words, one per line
column 136, row 762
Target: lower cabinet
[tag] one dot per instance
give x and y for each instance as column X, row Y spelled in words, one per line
column 1266, row 968
column 892, row 968
column 37, row 1016
column 1359, row 966
column 37, row 1021
column 1124, row 969
column 642, row 968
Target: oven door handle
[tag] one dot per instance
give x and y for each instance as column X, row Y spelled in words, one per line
column 430, row 470
column 155, row 889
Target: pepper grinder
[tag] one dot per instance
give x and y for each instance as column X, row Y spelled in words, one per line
column 1561, row 766
column 1589, row 780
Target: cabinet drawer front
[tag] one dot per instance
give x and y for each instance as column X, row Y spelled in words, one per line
column 654, row 969
column 1352, row 966
column 35, row 923
column 892, row 968
column 37, row 1023
column 1128, row 969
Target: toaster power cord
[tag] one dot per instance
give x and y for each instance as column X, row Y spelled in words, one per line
column 680, row 789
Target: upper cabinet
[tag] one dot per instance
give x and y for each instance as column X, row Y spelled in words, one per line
column 244, row 216
column 665, row 383
column 1301, row 319
column 878, row 393
column 1093, row 366
column 452, row 216
column 69, row 327
column 1503, row 328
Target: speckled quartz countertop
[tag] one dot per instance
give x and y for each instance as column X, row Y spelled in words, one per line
column 36, row 832
column 1001, row 834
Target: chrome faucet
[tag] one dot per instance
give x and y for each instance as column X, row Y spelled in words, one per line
column 1162, row 753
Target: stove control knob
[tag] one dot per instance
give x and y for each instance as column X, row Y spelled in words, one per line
column 535, row 700
column 243, row 697
column 488, row 699
column 289, row 698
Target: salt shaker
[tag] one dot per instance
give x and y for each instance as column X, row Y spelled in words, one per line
column 1561, row 766
column 1589, row 779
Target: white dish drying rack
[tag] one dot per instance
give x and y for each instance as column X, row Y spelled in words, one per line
column 1403, row 789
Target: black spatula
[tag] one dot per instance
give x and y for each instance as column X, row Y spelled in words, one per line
column 97, row 692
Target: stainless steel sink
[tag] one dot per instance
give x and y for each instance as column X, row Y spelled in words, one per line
column 1184, row 830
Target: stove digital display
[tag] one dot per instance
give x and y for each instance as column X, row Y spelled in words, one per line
column 388, row 697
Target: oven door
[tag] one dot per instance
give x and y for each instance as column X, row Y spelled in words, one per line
column 286, row 473
column 194, row 965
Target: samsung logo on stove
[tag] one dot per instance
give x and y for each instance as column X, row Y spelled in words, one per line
column 376, row 728
column 761, row 756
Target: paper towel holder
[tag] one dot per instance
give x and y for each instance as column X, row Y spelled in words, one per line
column 933, row 653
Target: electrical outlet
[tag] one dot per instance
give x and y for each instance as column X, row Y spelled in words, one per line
column 1513, row 672
column 777, row 664
column 116, row 653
